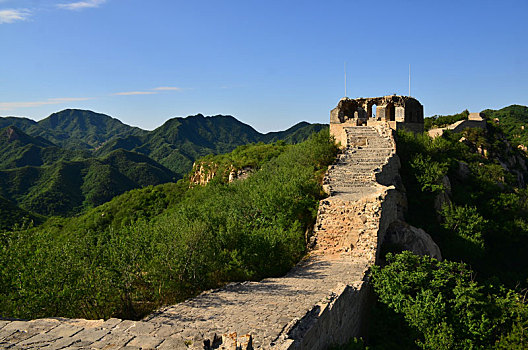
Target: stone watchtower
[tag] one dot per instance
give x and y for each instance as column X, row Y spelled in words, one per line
column 399, row 112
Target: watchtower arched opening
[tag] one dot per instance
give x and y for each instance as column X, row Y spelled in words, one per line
column 390, row 112
column 371, row 110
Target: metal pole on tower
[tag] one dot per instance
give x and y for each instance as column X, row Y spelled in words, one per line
column 409, row 80
column 345, row 82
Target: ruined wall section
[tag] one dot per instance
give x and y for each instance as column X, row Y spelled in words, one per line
column 365, row 198
column 458, row 126
column 398, row 112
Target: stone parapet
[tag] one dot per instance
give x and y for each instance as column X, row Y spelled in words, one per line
column 459, row 126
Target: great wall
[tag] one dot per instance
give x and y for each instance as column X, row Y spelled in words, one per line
column 321, row 302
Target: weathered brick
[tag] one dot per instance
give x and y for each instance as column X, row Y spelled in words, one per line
column 146, row 342
column 91, row 334
column 142, row 328
column 173, row 343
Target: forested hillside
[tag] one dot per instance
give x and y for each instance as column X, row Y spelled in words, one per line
column 180, row 141
column 513, row 121
column 17, row 149
column 72, row 183
column 75, row 159
column 159, row 245
column 11, row 215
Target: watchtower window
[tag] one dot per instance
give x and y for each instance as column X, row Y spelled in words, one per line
column 390, row 112
column 371, row 111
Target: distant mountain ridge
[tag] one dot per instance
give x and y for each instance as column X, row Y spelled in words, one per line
column 176, row 144
column 180, row 141
column 74, row 128
column 18, row 149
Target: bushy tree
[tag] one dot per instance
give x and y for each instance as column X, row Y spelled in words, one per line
column 446, row 306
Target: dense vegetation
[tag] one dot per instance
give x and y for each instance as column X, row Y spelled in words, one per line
column 247, row 158
column 116, row 260
column 513, row 121
column 66, row 187
column 468, row 191
column 440, row 121
column 11, row 215
column 488, row 209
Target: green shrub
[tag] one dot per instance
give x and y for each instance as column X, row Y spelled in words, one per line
column 468, row 227
column 429, row 173
column 446, row 306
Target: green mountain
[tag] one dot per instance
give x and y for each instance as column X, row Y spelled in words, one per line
column 180, row 141
column 90, row 128
column 176, row 144
column 296, row 134
column 21, row 123
column 74, row 128
column 17, row 149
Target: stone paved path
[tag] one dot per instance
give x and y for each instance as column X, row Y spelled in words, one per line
column 263, row 309
column 270, row 310
column 267, row 309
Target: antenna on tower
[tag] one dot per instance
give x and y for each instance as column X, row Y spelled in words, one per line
column 409, row 80
column 345, row 82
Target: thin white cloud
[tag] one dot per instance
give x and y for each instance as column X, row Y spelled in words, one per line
column 5, row 106
column 80, row 5
column 13, row 15
column 130, row 93
column 69, row 99
column 168, row 88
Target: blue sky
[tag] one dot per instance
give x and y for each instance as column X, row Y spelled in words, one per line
column 269, row 63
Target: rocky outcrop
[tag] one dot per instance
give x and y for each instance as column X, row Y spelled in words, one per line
column 10, row 134
column 463, row 170
column 239, row 174
column 203, row 173
column 414, row 239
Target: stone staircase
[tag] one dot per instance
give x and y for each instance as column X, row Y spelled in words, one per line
column 351, row 212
